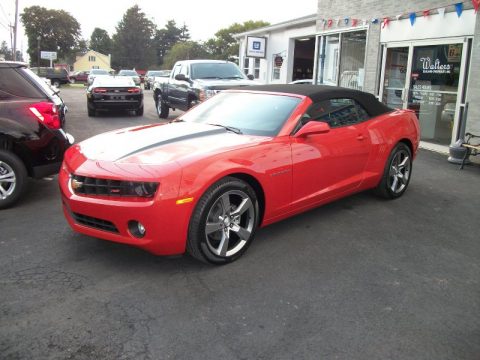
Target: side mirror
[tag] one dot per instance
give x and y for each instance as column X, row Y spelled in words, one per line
column 182, row 77
column 250, row 77
column 313, row 128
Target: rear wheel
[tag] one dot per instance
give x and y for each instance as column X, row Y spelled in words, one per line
column 397, row 173
column 91, row 111
column 72, row 80
column 139, row 111
column 13, row 177
column 55, row 82
column 224, row 222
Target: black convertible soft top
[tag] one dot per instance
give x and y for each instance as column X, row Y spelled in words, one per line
column 325, row 92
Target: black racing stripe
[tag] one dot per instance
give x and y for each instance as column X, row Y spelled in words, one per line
column 173, row 140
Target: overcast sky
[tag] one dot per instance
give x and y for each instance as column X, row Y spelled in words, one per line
column 203, row 18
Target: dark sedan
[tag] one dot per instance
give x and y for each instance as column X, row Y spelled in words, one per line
column 114, row 93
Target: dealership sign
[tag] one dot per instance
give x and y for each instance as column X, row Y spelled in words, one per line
column 48, row 55
column 256, row 46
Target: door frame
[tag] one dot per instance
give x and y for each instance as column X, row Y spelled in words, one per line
column 410, row 44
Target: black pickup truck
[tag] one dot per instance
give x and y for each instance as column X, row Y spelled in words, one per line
column 193, row 81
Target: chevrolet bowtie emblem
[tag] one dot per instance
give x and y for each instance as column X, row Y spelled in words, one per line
column 76, row 184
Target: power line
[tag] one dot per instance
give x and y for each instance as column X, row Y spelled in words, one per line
column 4, row 13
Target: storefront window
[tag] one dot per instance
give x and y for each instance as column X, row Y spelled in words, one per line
column 352, row 59
column 246, row 63
column 257, row 68
column 341, row 59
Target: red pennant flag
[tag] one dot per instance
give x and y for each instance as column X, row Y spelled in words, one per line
column 476, row 4
column 426, row 13
column 355, row 21
column 385, row 22
column 329, row 22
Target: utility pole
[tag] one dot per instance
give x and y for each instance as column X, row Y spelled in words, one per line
column 15, row 32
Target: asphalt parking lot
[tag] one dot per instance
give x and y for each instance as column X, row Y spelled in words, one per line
column 361, row 278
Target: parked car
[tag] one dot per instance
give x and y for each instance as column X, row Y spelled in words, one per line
column 193, row 81
column 131, row 73
column 94, row 73
column 151, row 75
column 79, row 77
column 113, row 93
column 57, row 76
column 245, row 158
column 32, row 139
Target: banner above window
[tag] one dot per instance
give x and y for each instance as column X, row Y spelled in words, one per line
column 256, row 46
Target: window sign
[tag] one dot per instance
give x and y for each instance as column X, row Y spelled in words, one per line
column 256, row 46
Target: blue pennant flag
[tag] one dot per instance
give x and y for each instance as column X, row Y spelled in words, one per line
column 375, row 21
column 346, row 20
column 412, row 17
column 459, row 9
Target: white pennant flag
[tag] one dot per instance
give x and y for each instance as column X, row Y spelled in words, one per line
column 441, row 11
column 339, row 22
column 398, row 17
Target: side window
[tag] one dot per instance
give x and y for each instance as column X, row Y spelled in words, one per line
column 184, row 70
column 337, row 112
column 176, row 70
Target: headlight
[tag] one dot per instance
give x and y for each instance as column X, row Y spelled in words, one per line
column 206, row 93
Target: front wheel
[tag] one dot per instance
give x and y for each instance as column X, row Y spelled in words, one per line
column 56, row 83
column 162, row 109
column 224, row 222
column 13, row 177
column 397, row 173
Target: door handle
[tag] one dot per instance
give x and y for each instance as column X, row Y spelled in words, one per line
column 360, row 137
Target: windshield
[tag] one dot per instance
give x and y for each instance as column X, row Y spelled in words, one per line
column 99, row 72
column 216, row 71
column 251, row 113
column 159, row 73
column 128, row 73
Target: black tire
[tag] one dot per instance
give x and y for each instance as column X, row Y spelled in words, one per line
column 55, row 82
column 91, row 111
column 191, row 103
column 234, row 228
column 72, row 81
column 11, row 192
column 397, row 173
column 139, row 111
column 162, row 109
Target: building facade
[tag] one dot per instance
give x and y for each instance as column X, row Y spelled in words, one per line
column 419, row 55
column 92, row 60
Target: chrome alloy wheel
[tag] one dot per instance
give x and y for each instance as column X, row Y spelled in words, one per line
column 399, row 172
column 230, row 223
column 8, row 180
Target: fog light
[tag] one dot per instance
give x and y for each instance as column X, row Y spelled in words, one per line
column 136, row 229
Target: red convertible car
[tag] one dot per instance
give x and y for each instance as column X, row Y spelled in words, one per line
column 245, row 158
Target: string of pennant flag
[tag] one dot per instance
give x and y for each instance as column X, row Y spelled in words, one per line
column 385, row 20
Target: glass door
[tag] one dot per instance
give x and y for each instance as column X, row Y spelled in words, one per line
column 434, row 79
column 426, row 77
column 395, row 76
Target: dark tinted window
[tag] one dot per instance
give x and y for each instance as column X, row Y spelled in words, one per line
column 13, row 84
column 337, row 112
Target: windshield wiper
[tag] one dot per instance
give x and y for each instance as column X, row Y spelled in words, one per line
column 209, row 77
column 233, row 77
column 228, row 128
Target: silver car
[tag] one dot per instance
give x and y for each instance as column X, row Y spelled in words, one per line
column 96, row 72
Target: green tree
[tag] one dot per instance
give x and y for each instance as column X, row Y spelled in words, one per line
column 185, row 50
column 168, row 36
column 5, row 51
column 224, row 46
column 100, row 41
column 133, row 41
column 52, row 30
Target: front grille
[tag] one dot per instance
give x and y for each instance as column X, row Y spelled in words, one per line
column 83, row 185
column 94, row 222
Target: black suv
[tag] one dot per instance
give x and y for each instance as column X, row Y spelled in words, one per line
column 56, row 76
column 32, row 140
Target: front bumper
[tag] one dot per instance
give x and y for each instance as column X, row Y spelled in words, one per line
column 166, row 223
column 120, row 101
